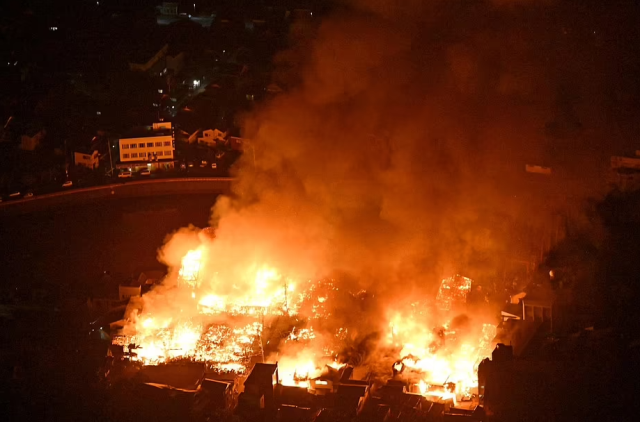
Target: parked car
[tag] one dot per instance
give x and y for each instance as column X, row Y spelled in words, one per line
column 214, row 165
column 203, row 163
column 145, row 172
column 124, row 174
column 67, row 184
column 15, row 194
column 28, row 195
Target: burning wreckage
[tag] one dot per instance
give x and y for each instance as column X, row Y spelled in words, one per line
column 278, row 343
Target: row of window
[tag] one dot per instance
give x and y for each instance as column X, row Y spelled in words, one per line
column 144, row 154
column 148, row 144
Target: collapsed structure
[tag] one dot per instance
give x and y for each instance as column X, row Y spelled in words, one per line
column 274, row 345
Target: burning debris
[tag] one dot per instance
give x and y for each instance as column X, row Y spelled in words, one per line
column 453, row 292
column 291, row 323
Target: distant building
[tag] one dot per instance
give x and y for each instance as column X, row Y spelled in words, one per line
column 161, row 126
column 126, row 292
column 237, row 143
column 529, row 168
column 90, row 161
column 30, row 143
column 152, row 146
column 624, row 173
column 168, row 9
column 161, row 64
column 211, row 137
column 152, row 62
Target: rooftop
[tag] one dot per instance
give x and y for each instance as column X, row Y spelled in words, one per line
column 146, row 132
column 262, row 373
column 186, row 376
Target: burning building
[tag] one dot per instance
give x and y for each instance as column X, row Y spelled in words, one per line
column 453, row 292
column 279, row 337
column 367, row 188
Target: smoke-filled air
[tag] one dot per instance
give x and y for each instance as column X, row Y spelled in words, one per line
column 372, row 197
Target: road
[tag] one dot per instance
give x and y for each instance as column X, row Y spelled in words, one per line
column 71, row 245
column 129, row 189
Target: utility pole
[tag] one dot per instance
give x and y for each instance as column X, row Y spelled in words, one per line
column 110, row 160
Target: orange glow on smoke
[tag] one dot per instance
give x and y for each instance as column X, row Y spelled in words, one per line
column 191, row 267
column 221, row 325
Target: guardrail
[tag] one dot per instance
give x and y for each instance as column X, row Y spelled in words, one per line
column 138, row 188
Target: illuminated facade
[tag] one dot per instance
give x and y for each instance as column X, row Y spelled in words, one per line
column 149, row 145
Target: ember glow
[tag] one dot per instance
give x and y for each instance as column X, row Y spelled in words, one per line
column 440, row 359
column 229, row 329
column 191, row 267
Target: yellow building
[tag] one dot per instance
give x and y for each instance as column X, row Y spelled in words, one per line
column 152, row 146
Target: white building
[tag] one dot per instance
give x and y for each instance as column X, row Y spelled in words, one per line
column 148, row 147
column 212, row 136
column 87, row 160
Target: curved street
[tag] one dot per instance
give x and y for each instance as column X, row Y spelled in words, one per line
column 138, row 188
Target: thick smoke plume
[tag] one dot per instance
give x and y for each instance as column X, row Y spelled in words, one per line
column 394, row 158
column 397, row 158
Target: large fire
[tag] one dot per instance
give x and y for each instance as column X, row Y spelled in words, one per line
column 276, row 319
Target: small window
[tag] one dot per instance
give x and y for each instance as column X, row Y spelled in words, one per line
column 149, row 144
column 134, row 155
column 141, row 145
column 143, row 154
column 158, row 144
column 125, row 155
column 167, row 153
column 125, row 146
column 133, row 146
column 167, row 143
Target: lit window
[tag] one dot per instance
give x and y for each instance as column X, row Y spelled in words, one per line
column 158, row 144
column 149, row 144
column 134, row 155
column 141, row 145
column 53, row 28
column 125, row 155
column 167, row 143
column 125, row 146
